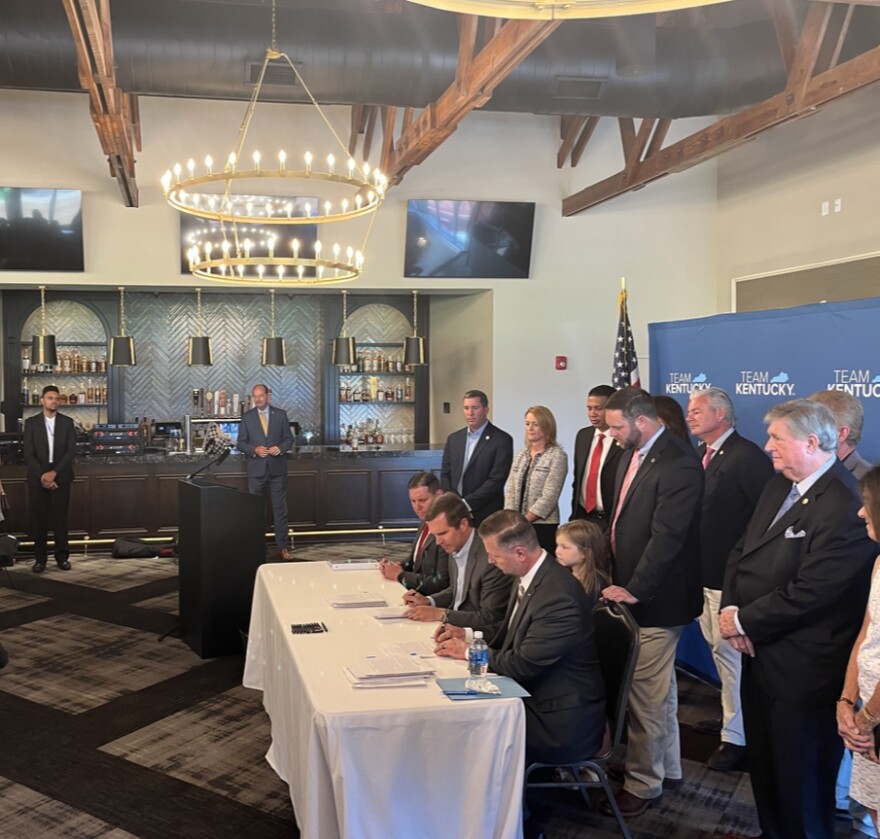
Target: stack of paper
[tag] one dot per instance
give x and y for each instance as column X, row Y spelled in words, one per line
column 356, row 601
column 422, row 649
column 392, row 613
column 352, row 564
column 393, row 671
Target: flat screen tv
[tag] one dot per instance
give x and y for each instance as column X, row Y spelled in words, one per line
column 40, row 229
column 488, row 239
column 195, row 231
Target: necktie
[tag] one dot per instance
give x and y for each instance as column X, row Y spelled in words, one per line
column 624, row 488
column 264, row 421
column 469, row 446
column 590, row 500
column 709, row 454
column 787, row 504
column 420, row 545
column 520, row 593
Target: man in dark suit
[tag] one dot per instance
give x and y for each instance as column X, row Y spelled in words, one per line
column 477, row 459
column 736, row 471
column 595, row 463
column 49, row 451
column 849, row 414
column 794, row 596
column 478, row 592
column 545, row 641
column 427, row 568
column 264, row 437
column 655, row 539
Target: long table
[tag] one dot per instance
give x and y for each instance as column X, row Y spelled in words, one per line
column 380, row 763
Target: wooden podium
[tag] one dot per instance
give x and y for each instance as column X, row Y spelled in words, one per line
column 221, row 544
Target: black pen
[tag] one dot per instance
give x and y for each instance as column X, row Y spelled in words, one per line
column 324, row 625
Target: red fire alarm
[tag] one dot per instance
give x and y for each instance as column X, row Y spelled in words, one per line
column 561, row 362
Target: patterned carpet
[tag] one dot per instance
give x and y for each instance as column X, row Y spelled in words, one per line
column 109, row 731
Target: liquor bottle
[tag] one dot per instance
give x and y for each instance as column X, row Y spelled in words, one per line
column 104, row 394
column 82, row 393
column 398, row 393
column 407, row 392
column 90, row 393
column 380, row 437
column 76, row 361
column 380, row 393
column 365, row 391
column 66, row 362
column 25, row 359
column 35, row 395
column 73, row 398
column 63, row 398
column 102, row 363
column 25, row 393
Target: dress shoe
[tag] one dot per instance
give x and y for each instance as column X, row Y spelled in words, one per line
column 630, row 805
column 285, row 555
column 712, row 726
column 727, row 757
column 532, row 829
column 672, row 784
column 63, row 565
column 616, row 771
column 39, row 567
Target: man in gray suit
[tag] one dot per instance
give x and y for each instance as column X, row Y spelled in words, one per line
column 849, row 415
column 477, row 595
column 264, row 438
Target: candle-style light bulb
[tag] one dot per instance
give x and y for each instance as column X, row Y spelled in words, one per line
column 358, row 200
column 208, row 248
column 351, row 165
column 344, row 205
column 248, row 244
column 349, row 252
column 230, row 162
column 177, row 171
column 358, row 260
column 318, row 248
column 366, row 171
column 261, row 269
column 331, row 163
column 336, row 250
column 256, row 160
column 271, row 247
column 289, row 207
column 280, row 271
column 166, row 180
column 241, row 271
column 300, row 271
column 191, row 166
column 294, row 245
column 327, row 208
column 308, row 159
column 225, row 247
column 320, row 271
column 282, row 159
column 209, row 162
column 308, row 210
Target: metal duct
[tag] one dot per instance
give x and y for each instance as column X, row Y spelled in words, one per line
column 197, row 49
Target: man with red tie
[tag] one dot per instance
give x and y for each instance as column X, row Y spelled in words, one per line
column 595, row 463
column 427, row 568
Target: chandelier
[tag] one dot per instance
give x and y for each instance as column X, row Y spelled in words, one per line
column 561, row 9
column 251, row 242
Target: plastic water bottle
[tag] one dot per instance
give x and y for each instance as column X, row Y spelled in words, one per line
column 478, row 657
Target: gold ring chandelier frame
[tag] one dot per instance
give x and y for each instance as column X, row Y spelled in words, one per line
column 561, row 9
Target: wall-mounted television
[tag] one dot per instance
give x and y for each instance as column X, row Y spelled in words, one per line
column 40, row 229
column 488, row 239
column 195, row 231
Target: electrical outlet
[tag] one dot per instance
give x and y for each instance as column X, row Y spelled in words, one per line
column 824, row 208
column 838, row 205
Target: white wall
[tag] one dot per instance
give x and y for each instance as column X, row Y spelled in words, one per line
column 661, row 238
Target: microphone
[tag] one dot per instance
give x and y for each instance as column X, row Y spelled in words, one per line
column 215, row 462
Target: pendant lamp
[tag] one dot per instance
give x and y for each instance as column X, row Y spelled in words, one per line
column 414, row 347
column 198, row 353
column 273, row 354
column 344, row 348
column 43, row 350
column 122, row 345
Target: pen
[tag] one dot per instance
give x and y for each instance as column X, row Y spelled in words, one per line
column 461, row 692
column 324, row 626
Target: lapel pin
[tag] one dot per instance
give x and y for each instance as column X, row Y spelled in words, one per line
column 805, row 501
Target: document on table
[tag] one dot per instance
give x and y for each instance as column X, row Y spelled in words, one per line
column 422, row 649
column 352, row 564
column 390, row 666
column 457, row 689
column 357, row 601
column 392, row 613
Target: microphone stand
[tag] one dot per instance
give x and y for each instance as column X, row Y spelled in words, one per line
column 215, row 462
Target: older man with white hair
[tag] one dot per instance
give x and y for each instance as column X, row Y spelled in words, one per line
column 794, row 590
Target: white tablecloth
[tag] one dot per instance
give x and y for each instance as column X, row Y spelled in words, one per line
column 394, row 763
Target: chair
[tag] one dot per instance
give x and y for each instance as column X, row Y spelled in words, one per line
column 617, row 644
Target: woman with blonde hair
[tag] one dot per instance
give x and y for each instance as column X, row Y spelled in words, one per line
column 537, row 475
column 582, row 546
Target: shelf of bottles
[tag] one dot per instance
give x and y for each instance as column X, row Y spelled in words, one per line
column 81, row 376
column 376, row 399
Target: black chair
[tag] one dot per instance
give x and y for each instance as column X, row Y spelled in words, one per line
column 617, row 644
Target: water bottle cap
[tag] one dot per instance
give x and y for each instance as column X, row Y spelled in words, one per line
column 478, row 634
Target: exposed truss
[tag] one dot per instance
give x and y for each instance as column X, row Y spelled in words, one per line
column 114, row 113
column 814, row 79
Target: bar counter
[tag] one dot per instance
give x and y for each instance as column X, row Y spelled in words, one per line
column 331, row 494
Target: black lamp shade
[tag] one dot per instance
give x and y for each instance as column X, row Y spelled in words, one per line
column 273, row 353
column 344, row 351
column 43, row 351
column 122, row 351
column 198, row 353
column 414, row 350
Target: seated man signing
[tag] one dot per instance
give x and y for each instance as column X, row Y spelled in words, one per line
column 477, row 594
column 545, row 642
column 427, row 568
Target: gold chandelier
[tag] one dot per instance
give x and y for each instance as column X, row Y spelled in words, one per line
column 252, row 244
column 561, row 9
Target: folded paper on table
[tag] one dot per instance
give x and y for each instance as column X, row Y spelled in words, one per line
column 352, row 564
column 457, row 689
column 357, row 601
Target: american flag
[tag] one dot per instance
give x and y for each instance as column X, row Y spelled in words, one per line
column 626, row 362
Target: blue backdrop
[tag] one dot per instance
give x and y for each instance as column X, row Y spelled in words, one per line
column 761, row 359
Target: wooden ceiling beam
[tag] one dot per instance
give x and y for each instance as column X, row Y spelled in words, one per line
column 372, row 113
column 512, row 42
column 581, row 144
column 115, row 114
column 389, row 119
column 802, row 96
column 569, row 130
column 838, row 27
column 785, row 25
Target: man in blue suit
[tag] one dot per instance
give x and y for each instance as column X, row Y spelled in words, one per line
column 264, row 438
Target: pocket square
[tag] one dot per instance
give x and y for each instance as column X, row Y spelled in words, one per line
column 790, row 533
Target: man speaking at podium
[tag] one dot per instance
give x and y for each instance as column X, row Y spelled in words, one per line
column 264, row 438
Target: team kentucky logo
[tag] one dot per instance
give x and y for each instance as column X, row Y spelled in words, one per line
column 682, row 382
column 859, row 383
column 764, row 383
